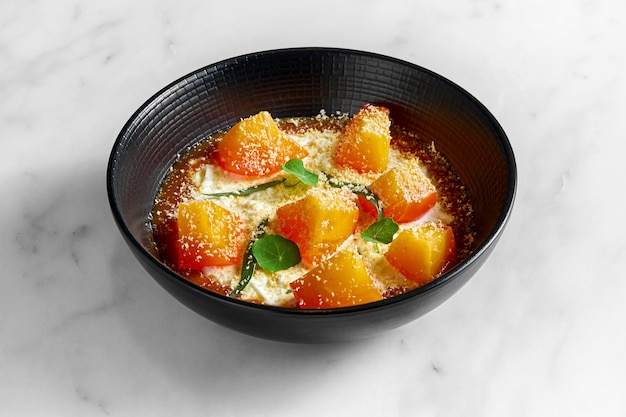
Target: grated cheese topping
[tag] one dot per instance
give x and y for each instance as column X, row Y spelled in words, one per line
column 273, row 287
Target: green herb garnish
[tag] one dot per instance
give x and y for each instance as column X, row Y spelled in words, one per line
column 296, row 167
column 382, row 231
column 247, row 191
column 249, row 262
column 275, row 253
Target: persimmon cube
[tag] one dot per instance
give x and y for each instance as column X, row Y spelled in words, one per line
column 256, row 147
column 209, row 235
column 422, row 253
column 343, row 280
column 319, row 222
column 405, row 191
column 364, row 143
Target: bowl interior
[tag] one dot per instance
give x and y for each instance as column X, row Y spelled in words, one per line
column 301, row 82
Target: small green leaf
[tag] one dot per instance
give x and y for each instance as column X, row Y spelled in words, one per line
column 381, row 232
column 249, row 262
column 249, row 190
column 296, row 167
column 275, row 253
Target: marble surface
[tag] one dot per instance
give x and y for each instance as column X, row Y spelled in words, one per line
column 539, row 331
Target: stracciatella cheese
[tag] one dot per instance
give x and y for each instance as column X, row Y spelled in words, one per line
column 197, row 175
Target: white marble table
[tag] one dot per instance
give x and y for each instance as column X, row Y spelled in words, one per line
column 539, row 331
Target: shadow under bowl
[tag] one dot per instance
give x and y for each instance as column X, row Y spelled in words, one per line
column 301, row 82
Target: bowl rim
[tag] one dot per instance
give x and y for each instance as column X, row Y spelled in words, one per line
column 448, row 276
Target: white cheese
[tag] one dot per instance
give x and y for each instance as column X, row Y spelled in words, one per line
column 273, row 288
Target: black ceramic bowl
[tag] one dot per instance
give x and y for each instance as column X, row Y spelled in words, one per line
column 301, row 82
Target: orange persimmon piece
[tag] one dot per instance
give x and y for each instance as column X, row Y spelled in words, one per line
column 341, row 281
column 405, row 191
column 256, row 147
column 209, row 235
column 319, row 222
column 365, row 141
column 423, row 253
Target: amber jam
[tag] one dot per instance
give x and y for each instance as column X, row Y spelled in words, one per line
column 197, row 174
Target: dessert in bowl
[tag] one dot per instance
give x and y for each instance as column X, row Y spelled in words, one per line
column 191, row 124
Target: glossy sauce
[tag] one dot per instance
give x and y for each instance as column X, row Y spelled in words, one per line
column 182, row 184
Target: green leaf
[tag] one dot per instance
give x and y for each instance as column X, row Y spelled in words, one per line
column 275, row 253
column 249, row 190
column 296, row 167
column 382, row 231
column 249, row 262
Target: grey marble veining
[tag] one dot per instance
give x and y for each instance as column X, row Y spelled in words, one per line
column 539, row 330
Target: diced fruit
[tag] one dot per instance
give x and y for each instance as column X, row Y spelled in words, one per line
column 343, row 280
column 256, row 147
column 319, row 222
column 364, row 143
column 405, row 191
column 209, row 235
column 422, row 253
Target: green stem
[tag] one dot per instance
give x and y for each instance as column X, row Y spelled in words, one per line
column 249, row 261
column 249, row 190
column 361, row 190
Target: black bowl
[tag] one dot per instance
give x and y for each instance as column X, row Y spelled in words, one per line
column 301, row 82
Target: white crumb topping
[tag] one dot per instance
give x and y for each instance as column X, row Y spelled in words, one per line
column 273, row 288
